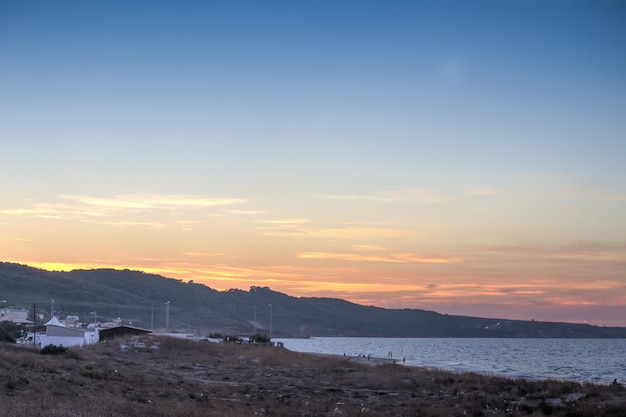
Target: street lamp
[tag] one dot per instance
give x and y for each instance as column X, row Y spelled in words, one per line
column 51, row 309
column 270, row 323
column 152, row 318
column 167, row 316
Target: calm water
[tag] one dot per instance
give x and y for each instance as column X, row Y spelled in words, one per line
column 583, row 360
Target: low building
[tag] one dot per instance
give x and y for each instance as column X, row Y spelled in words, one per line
column 59, row 334
column 121, row 331
column 15, row 316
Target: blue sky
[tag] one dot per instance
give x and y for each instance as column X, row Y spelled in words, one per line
column 286, row 141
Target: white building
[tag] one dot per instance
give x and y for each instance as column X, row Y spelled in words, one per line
column 60, row 335
column 14, row 316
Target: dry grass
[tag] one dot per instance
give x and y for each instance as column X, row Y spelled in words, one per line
column 190, row 379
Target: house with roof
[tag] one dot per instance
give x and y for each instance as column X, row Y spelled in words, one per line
column 15, row 316
column 121, row 331
column 61, row 335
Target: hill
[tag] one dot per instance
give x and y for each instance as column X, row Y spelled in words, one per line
column 139, row 298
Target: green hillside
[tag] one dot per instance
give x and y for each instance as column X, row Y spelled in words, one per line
column 139, row 298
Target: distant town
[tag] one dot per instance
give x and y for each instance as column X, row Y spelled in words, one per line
column 71, row 331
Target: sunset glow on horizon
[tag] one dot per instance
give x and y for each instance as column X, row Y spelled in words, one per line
column 460, row 157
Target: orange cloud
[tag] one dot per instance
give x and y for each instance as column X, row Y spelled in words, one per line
column 394, row 257
column 599, row 285
column 412, row 257
column 355, row 233
column 286, row 222
column 584, row 257
column 367, row 248
column 128, row 223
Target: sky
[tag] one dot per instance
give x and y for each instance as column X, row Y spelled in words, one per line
column 455, row 156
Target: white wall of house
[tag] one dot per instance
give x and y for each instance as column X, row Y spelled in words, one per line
column 65, row 341
column 92, row 337
column 61, row 335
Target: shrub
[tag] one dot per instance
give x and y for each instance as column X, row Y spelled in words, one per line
column 259, row 338
column 9, row 331
column 54, row 350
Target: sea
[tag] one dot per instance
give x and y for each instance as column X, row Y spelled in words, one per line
column 598, row 361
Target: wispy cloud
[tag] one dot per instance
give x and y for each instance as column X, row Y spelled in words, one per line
column 417, row 258
column 15, row 239
column 600, row 285
column 38, row 210
column 394, row 257
column 286, row 222
column 367, row 248
column 580, row 250
column 84, row 206
column 153, row 201
column 401, row 195
column 588, row 257
column 245, row 212
column 355, row 233
column 204, row 254
column 129, row 223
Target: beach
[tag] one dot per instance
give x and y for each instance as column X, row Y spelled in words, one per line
column 160, row 376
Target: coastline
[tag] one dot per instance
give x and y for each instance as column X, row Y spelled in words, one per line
column 179, row 378
column 362, row 359
column 595, row 361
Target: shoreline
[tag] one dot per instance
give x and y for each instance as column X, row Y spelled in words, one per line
column 377, row 361
column 132, row 376
column 362, row 359
column 580, row 360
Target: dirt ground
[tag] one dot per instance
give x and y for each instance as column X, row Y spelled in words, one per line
column 155, row 377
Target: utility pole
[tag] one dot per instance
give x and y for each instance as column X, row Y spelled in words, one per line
column 34, row 324
column 270, row 323
column 254, row 323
